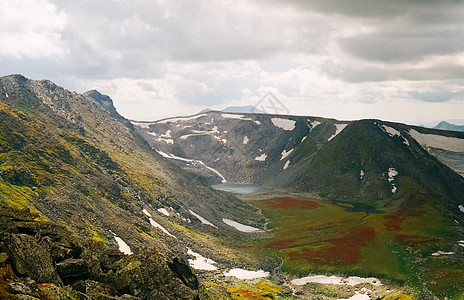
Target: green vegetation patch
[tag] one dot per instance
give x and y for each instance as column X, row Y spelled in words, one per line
column 405, row 246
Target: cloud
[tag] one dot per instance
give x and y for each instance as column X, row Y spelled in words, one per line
column 161, row 58
column 31, row 29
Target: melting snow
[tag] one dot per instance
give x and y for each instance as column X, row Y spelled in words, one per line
column 262, row 157
column 339, row 128
column 6, row 94
column 123, row 247
column 461, row 208
column 442, row 253
column 461, row 243
column 163, row 211
column 245, row 140
column 438, row 141
column 392, row 173
column 241, row 227
column 285, row 154
column 245, row 274
column 167, row 134
column 194, row 161
column 313, row 124
column 202, row 220
column 258, row 122
column 353, row 280
column 285, row 124
column 200, row 262
column 304, row 138
column 358, row 296
column 146, row 212
column 392, row 132
column 174, row 120
column 154, row 224
column 286, row 164
column 168, row 141
column 232, row 116
column 361, row 174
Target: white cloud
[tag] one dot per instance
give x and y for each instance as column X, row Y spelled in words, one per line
column 31, row 28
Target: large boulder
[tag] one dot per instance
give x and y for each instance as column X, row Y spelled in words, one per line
column 31, row 258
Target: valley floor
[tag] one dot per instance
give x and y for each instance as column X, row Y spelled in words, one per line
column 336, row 250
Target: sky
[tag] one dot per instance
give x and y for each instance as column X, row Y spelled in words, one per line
column 394, row 60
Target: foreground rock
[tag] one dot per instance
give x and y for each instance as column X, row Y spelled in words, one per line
column 49, row 262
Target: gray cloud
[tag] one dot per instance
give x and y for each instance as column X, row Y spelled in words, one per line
column 207, row 52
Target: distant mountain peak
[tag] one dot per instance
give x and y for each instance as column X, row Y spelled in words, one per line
column 243, row 109
column 247, row 109
column 444, row 125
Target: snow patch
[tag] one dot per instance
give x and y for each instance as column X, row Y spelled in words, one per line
column 262, row 157
column 461, row 208
column 241, row 227
column 200, row 262
column 304, row 138
column 285, row 124
column 358, row 296
column 174, row 120
column 168, row 141
column 392, row 132
column 361, row 174
column 392, row 173
column 438, row 253
column 285, row 153
column 202, row 220
column 163, row 211
column 286, row 164
column 167, row 134
column 438, row 141
column 146, row 212
column 258, row 122
column 352, row 281
column 245, row 140
column 339, row 128
column 193, row 161
column 245, row 274
column 238, row 117
column 123, row 247
column 313, row 124
column 156, row 225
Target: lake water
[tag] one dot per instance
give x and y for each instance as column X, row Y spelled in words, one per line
column 238, row 188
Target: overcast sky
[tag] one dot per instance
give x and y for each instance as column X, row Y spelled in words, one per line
column 390, row 59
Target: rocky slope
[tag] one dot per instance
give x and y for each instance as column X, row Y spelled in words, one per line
column 372, row 161
column 78, row 187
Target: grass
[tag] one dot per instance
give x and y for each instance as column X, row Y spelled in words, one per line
column 321, row 237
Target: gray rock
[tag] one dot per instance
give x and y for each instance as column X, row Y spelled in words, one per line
column 19, row 288
column 72, row 269
column 29, row 258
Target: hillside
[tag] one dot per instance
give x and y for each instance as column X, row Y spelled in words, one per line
column 78, row 186
column 349, row 161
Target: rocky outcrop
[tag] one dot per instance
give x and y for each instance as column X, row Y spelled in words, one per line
column 42, row 259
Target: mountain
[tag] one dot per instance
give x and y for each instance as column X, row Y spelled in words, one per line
column 238, row 109
column 448, row 126
column 79, row 189
column 364, row 198
column 243, row 109
column 312, row 154
column 93, row 206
